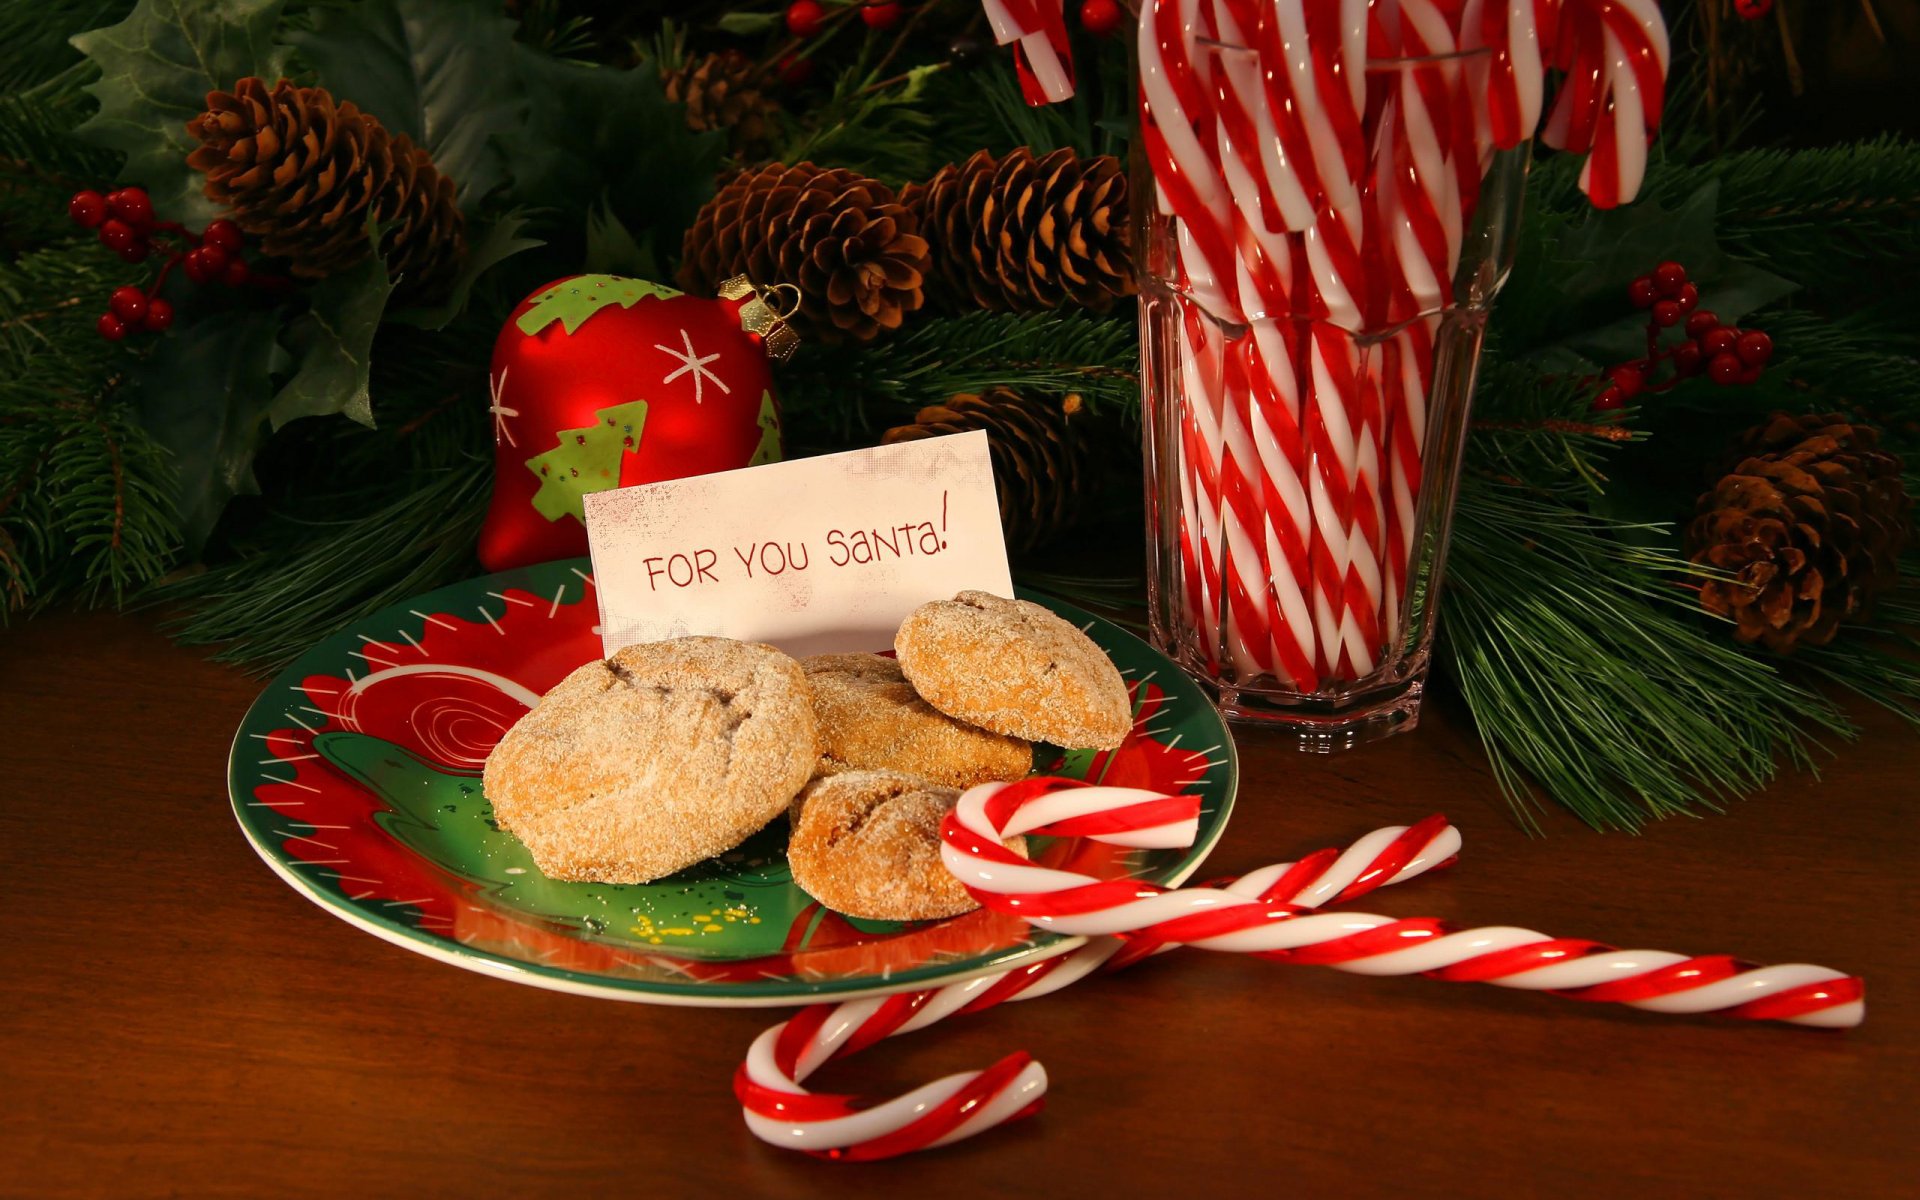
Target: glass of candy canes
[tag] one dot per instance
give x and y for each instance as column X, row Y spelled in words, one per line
column 1326, row 210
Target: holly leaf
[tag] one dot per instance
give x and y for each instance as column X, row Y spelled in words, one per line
column 500, row 241
column 332, row 346
column 577, row 148
column 156, row 68
column 612, row 248
column 1601, row 255
column 442, row 72
column 203, row 394
column 748, row 24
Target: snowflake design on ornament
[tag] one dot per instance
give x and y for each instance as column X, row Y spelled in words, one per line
column 696, row 363
column 496, row 393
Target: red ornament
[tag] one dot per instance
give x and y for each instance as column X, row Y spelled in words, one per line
column 880, row 16
column 1101, row 18
column 1753, row 10
column 804, row 18
column 600, row 381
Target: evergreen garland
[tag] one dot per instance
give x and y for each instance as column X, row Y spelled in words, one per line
column 1568, row 622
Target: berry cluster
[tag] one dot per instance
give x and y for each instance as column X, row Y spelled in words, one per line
column 1667, row 291
column 125, row 223
column 1725, row 353
column 806, row 18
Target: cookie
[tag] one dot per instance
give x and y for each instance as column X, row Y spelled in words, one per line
column 867, row 844
column 872, row 719
column 1015, row 668
column 645, row 763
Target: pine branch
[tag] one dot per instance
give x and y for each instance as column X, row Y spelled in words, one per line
column 1537, row 432
column 303, row 578
column 1812, row 215
column 86, row 504
column 1865, row 362
column 842, row 395
column 878, row 126
column 1592, row 676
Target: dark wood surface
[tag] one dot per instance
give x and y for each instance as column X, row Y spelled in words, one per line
column 176, row 1021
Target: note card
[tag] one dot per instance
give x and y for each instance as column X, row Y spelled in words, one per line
column 816, row 555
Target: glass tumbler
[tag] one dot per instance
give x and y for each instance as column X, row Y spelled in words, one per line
column 1304, row 424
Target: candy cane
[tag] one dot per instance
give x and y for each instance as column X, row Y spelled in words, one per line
column 1038, row 33
column 1202, row 385
column 1176, row 132
column 1286, row 517
column 1069, row 902
column 778, row 1109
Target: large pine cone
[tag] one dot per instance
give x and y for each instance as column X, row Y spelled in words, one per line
column 1023, row 234
column 852, row 250
column 1039, row 450
column 302, row 174
column 1810, row 523
column 725, row 91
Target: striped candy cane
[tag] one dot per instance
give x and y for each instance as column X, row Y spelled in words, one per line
column 769, row 1084
column 1069, row 902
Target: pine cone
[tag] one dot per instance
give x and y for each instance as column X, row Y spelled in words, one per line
column 725, row 91
column 1039, row 455
column 302, row 174
column 1810, row 522
column 852, row 250
column 1025, row 234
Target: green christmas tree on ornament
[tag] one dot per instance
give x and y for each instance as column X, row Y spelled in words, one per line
column 572, row 301
column 586, row 460
column 768, row 450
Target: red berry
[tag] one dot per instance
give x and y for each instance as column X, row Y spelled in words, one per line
column 796, row 71
column 1752, row 10
column 1641, row 292
column 128, row 303
column 1667, row 314
column 1702, row 322
column 1687, row 358
column 880, row 16
column 115, row 233
column 135, row 251
column 1101, row 17
column 1750, row 373
column 1628, row 380
column 159, row 315
column 1755, row 348
column 1609, row 400
column 216, row 260
column 133, row 206
column 236, row 273
column 804, row 18
column 1689, row 297
column 87, row 209
column 111, row 327
column 224, row 234
column 1669, row 278
column 1719, row 340
column 1724, row 369
column 195, row 264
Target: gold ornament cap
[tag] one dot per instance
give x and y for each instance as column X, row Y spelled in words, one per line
column 759, row 316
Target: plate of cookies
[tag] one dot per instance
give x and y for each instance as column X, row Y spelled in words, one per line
column 699, row 820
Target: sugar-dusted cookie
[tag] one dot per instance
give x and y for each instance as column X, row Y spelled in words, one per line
column 645, row 763
column 1015, row 668
column 867, row 844
column 872, row 719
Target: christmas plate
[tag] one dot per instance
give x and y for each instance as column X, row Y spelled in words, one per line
column 357, row 778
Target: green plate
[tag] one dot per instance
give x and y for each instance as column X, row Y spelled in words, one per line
column 357, row 778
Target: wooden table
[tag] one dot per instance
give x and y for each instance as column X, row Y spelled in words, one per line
column 178, row 1022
